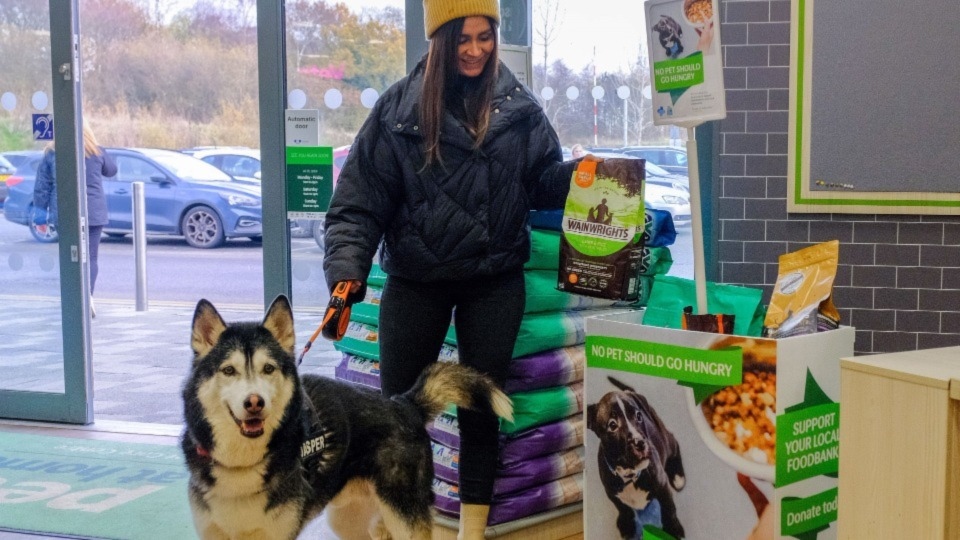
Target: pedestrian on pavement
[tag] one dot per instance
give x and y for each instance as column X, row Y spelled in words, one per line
column 445, row 172
column 97, row 164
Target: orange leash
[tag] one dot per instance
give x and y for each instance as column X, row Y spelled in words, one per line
column 335, row 320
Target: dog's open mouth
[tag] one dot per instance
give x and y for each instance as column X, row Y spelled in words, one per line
column 250, row 427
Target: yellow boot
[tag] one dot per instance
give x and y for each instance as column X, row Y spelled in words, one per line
column 473, row 521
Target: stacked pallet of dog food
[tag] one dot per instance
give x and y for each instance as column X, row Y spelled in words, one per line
column 541, row 455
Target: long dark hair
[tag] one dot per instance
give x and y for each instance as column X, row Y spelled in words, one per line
column 441, row 74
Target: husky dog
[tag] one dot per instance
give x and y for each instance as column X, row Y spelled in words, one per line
column 268, row 450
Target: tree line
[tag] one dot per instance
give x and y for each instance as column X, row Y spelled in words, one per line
column 175, row 80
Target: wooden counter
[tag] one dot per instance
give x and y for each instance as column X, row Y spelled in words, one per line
column 900, row 445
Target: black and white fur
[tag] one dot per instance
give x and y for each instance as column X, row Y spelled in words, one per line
column 638, row 459
column 668, row 33
column 268, row 450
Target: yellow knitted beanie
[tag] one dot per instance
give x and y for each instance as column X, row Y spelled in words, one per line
column 438, row 12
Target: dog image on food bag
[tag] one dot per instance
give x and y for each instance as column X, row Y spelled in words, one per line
column 268, row 450
column 638, row 460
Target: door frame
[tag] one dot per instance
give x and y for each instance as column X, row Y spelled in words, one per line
column 75, row 404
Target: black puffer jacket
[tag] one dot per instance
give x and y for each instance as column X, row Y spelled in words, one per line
column 467, row 218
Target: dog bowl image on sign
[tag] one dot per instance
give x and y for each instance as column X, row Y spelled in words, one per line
column 738, row 423
column 601, row 246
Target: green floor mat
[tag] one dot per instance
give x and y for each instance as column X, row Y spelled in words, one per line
column 92, row 488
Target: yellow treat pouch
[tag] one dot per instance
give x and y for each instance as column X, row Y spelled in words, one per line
column 802, row 301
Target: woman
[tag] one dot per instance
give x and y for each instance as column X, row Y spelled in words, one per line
column 445, row 171
column 97, row 164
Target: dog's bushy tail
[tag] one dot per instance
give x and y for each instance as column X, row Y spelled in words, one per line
column 443, row 383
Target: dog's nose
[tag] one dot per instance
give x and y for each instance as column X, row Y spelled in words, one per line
column 640, row 444
column 253, row 404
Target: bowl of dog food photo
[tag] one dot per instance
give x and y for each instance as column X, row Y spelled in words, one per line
column 738, row 423
column 698, row 12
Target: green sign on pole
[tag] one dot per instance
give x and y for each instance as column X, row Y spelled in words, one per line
column 309, row 181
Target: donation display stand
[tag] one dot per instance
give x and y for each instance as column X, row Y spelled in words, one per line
column 754, row 423
column 699, row 435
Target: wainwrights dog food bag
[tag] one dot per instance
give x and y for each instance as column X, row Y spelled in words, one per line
column 601, row 245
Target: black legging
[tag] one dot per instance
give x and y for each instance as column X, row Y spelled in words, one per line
column 96, row 232
column 415, row 317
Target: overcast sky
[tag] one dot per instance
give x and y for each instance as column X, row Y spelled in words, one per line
column 615, row 28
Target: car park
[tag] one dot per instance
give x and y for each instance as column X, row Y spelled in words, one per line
column 671, row 158
column 6, row 170
column 240, row 162
column 183, row 196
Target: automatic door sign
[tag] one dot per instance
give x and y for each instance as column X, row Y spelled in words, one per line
column 686, row 63
column 309, row 173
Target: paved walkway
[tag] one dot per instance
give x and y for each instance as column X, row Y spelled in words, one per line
column 139, row 357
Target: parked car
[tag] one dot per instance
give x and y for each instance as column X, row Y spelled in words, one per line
column 6, row 169
column 18, row 206
column 240, row 162
column 183, row 196
column 671, row 158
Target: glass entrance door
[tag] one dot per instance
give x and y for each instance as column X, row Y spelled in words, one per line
column 43, row 262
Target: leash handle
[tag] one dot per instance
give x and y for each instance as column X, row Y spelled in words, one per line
column 335, row 320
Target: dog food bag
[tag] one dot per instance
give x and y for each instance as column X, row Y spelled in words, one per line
column 358, row 370
column 516, row 505
column 658, row 228
column 551, row 220
column 377, row 276
column 514, row 476
column 368, row 311
column 802, row 301
column 544, row 250
column 655, row 261
column 603, row 223
column 537, row 441
column 671, row 294
column 554, row 367
column 527, row 444
column 363, row 339
column 544, row 331
column 542, row 295
column 542, row 406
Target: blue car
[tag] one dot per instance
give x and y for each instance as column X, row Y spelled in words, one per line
column 183, row 197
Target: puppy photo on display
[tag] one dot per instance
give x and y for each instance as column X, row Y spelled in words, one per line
column 268, row 450
column 638, row 462
column 668, row 32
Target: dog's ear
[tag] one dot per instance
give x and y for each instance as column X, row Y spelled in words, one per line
column 620, row 385
column 279, row 321
column 207, row 327
column 592, row 417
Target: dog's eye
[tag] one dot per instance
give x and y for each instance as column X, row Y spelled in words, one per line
column 269, row 368
column 639, row 417
column 613, row 425
column 229, row 370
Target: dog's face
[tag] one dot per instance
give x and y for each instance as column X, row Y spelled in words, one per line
column 242, row 380
column 668, row 31
column 622, row 425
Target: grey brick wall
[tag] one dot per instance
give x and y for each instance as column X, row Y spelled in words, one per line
column 899, row 277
